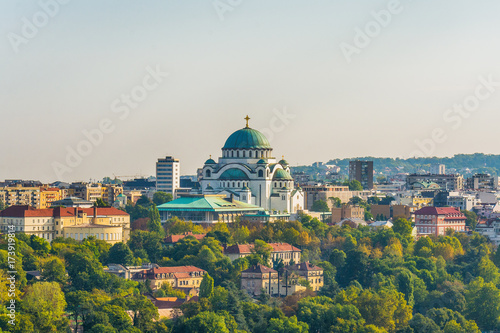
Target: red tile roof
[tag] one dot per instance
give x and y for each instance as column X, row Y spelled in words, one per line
column 259, row 269
column 176, row 269
column 429, row 210
column 305, row 266
column 247, row 248
column 27, row 211
column 172, row 239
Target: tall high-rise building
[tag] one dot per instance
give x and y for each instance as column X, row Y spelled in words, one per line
column 362, row 171
column 168, row 174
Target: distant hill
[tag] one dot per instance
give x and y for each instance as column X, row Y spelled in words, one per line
column 465, row 164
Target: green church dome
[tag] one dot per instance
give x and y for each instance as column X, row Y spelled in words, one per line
column 210, row 161
column 261, row 162
column 233, row 174
column 281, row 174
column 247, row 138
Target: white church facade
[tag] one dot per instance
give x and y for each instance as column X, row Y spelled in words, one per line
column 248, row 172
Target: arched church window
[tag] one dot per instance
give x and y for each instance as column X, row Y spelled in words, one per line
column 238, row 184
column 261, row 173
column 232, row 153
column 244, row 154
column 250, row 154
column 238, row 153
column 233, row 184
column 280, row 185
column 208, row 173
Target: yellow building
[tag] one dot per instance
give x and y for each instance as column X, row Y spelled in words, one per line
column 420, row 202
column 20, row 195
column 49, row 195
column 106, row 223
column 180, row 277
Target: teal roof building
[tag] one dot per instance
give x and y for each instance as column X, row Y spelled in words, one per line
column 206, row 208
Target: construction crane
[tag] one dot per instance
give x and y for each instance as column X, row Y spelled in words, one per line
column 131, row 176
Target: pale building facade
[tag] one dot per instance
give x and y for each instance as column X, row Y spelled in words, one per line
column 248, row 171
column 105, row 223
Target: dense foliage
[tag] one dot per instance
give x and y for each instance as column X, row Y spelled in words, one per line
column 376, row 280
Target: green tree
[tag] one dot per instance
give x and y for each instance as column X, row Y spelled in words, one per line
column 403, row 227
column 355, row 185
column 207, row 322
column 471, row 219
column 2, row 205
column 54, row 271
column 101, row 203
column 320, row 206
column 287, row 325
column 422, row 324
column 143, row 201
column 483, row 304
column 39, row 245
column 121, row 254
column 262, row 251
column 336, row 202
column 160, row 197
column 84, row 270
column 207, row 286
column 154, row 224
column 144, row 312
column 45, row 302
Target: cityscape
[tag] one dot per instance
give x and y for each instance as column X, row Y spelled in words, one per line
column 231, row 166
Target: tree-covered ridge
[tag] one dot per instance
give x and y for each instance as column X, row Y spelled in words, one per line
column 477, row 163
column 375, row 280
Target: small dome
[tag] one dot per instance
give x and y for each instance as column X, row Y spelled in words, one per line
column 281, row 174
column 261, row 161
column 247, row 138
column 233, row 174
column 209, row 188
column 245, row 188
column 283, row 162
column 210, row 161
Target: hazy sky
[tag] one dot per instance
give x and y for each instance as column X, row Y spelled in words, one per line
column 69, row 68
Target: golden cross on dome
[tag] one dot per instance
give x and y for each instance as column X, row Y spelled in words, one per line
column 247, row 118
column 210, row 155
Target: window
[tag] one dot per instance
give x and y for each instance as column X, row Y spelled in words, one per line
column 208, row 173
column 261, row 173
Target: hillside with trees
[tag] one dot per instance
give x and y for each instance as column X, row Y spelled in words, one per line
column 375, row 280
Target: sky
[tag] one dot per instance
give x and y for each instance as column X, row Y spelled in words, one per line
column 90, row 89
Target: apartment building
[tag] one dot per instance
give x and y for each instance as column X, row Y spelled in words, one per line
column 347, row 212
column 436, row 220
column 362, row 171
column 325, row 192
column 168, row 174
